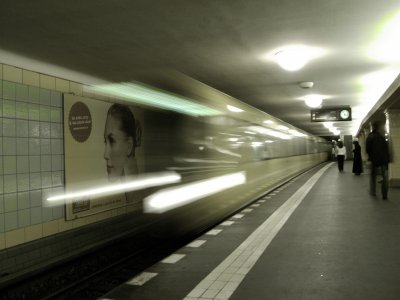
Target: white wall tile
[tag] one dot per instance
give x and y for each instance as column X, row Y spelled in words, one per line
column 9, row 146
column 34, row 146
column 12, row 73
column 10, row 183
column 23, row 164
column 34, row 163
column 23, row 182
column 23, row 200
column 45, row 97
column 15, row 237
column 22, row 146
column 50, row 228
column 9, row 108
column 76, row 88
column 22, row 128
column 34, row 129
column 47, row 82
column 56, row 131
column 36, row 215
column 35, row 181
column 22, row 92
column 1, row 204
column 2, row 235
column 30, row 78
column 34, row 112
column 45, row 146
column 33, row 232
column 45, row 130
column 33, row 95
column 62, row 85
column 9, row 127
column 46, row 179
column 55, row 115
column 10, row 202
column 24, row 218
column 22, row 110
column 56, row 146
column 45, row 163
column 10, row 221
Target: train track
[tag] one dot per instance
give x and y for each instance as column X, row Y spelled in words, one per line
column 96, row 273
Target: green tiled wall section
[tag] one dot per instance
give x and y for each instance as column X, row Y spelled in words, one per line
column 31, row 152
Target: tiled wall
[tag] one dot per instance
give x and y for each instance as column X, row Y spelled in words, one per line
column 31, row 155
column 31, row 150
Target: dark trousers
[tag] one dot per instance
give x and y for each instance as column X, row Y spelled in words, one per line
column 340, row 161
column 375, row 170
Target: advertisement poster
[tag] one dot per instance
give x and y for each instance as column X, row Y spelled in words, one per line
column 103, row 145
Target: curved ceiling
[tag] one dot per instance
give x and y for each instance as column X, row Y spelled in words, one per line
column 224, row 44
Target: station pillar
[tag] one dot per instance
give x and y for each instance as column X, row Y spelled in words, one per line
column 393, row 130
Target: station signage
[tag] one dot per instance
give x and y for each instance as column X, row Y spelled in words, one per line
column 331, row 114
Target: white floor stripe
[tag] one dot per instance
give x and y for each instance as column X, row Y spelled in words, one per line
column 247, row 210
column 255, row 205
column 214, row 232
column 238, row 216
column 196, row 244
column 262, row 200
column 243, row 258
column 142, row 278
column 173, row 258
column 227, row 223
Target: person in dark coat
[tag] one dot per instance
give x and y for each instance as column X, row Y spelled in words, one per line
column 378, row 153
column 357, row 162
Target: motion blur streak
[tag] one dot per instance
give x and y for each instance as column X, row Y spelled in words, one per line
column 142, row 94
column 137, row 183
column 170, row 198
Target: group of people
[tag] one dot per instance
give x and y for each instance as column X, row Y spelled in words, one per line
column 339, row 152
column 378, row 154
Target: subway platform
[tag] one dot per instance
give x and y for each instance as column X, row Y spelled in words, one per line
column 319, row 236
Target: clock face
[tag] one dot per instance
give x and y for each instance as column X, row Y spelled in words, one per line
column 345, row 114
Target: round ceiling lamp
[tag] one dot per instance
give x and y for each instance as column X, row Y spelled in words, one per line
column 313, row 100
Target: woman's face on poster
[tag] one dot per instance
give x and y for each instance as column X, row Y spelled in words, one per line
column 117, row 148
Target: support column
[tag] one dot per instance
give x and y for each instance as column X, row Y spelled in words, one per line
column 393, row 129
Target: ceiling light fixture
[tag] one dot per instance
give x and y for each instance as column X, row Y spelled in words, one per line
column 293, row 58
column 313, row 100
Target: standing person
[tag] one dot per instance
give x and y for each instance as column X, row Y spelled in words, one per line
column 357, row 161
column 378, row 153
column 341, row 155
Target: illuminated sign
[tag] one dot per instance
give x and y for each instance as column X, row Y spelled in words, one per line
column 331, row 114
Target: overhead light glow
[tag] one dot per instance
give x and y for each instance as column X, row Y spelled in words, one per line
column 142, row 94
column 269, row 141
column 313, row 100
column 293, row 58
column 386, row 47
column 328, row 125
column 233, row 108
column 136, row 183
column 268, row 122
column 174, row 197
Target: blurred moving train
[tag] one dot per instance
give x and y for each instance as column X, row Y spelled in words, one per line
column 141, row 161
column 198, row 154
